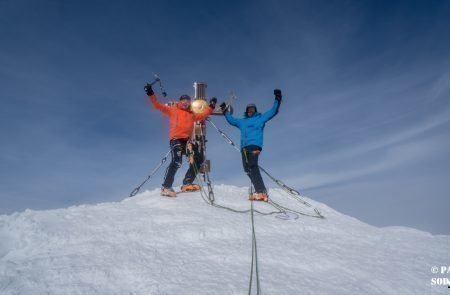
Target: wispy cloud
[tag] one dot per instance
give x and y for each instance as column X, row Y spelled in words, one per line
column 386, row 140
column 392, row 157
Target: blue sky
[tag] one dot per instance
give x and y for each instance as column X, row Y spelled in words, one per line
column 364, row 125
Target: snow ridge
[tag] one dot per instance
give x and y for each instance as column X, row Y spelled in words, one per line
column 154, row 245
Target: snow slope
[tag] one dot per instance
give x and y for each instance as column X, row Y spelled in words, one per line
column 154, row 245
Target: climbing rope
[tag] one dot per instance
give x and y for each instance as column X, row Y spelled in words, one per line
column 206, row 173
column 292, row 192
column 138, row 188
column 205, row 197
column 254, row 257
column 226, row 137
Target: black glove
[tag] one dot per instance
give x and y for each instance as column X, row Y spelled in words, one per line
column 212, row 102
column 223, row 106
column 277, row 93
column 148, row 89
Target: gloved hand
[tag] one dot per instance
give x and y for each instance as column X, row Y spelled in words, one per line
column 212, row 102
column 277, row 93
column 148, row 89
column 223, row 106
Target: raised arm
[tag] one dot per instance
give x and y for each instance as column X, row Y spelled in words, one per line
column 230, row 119
column 276, row 106
column 156, row 104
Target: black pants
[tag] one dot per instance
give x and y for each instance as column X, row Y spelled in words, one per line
column 250, row 156
column 178, row 149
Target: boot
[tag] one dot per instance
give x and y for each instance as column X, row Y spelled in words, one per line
column 259, row 197
column 168, row 192
column 190, row 187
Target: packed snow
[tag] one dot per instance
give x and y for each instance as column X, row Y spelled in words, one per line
column 150, row 244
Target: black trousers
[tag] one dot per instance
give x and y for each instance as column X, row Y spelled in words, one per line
column 178, row 150
column 250, row 156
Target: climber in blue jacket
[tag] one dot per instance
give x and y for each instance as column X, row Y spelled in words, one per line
column 252, row 128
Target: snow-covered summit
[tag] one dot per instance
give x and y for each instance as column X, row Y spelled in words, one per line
column 154, row 245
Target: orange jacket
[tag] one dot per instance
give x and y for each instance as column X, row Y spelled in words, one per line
column 181, row 121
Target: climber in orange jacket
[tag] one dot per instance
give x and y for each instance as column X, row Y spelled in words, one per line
column 181, row 121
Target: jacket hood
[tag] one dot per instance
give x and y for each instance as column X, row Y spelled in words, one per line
column 251, row 105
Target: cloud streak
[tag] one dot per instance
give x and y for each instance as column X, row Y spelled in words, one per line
column 393, row 157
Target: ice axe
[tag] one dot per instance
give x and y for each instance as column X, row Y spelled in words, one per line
column 158, row 80
column 229, row 100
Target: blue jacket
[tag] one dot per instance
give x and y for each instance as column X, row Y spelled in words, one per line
column 252, row 127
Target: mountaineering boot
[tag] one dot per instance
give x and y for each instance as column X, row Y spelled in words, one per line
column 190, row 187
column 168, row 192
column 259, row 197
